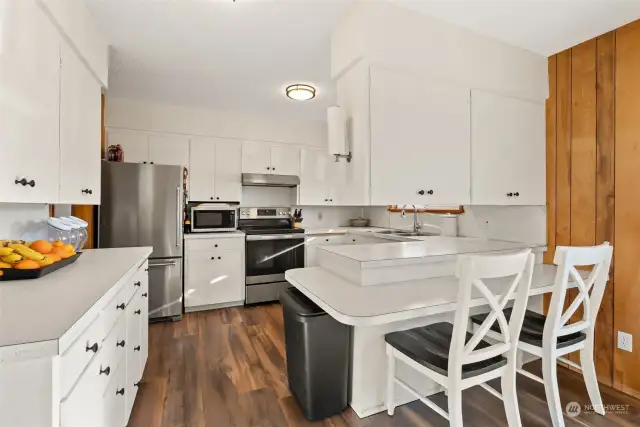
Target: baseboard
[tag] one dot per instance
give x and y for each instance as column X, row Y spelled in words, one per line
column 213, row 306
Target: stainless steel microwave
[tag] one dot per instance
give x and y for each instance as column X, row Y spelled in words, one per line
column 213, row 217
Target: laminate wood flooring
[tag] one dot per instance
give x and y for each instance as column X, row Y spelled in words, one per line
column 227, row 368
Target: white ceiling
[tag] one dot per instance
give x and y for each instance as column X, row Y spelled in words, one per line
column 241, row 55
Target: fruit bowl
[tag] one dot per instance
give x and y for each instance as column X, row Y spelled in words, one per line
column 20, row 260
column 15, row 274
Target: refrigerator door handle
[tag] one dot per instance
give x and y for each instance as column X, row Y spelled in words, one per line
column 163, row 264
column 178, row 216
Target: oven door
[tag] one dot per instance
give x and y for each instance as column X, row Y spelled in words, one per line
column 268, row 257
column 205, row 220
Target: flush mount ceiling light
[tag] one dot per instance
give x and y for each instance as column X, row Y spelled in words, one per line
column 300, row 92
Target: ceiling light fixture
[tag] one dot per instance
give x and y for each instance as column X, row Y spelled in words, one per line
column 300, row 92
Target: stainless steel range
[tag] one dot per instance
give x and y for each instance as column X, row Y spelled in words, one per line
column 273, row 246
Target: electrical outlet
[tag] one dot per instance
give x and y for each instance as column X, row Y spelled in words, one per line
column 625, row 341
column 319, row 215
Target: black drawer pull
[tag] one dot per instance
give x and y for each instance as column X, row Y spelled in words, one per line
column 136, row 384
column 106, row 371
column 136, row 348
column 145, row 295
column 93, row 348
column 120, row 344
column 509, row 194
column 137, row 312
column 137, row 284
column 430, row 192
column 120, row 306
column 516, row 194
column 146, row 269
column 121, row 392
column 24, row 182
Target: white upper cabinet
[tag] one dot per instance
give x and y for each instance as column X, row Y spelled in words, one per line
column 314, row 183
column 80, row 121
column 264, row 158
column 29, row 104
column 228, row 170
column 508, row 146
column 215, row 170
column 168, row 150
column 135, row 145
column 256, row 157
column 285, row 160
column 420, row 147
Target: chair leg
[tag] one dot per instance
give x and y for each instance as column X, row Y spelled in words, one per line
column 510, row 395
column 590, row 378
column 550, row 378
column 391, row 373
column 455, row 406
column 519, row 358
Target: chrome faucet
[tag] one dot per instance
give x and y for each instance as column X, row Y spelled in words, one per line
column 416, row 222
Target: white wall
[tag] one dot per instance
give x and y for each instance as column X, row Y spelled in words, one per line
column 328, row 216
column 515, row 223
column 164, row 118
column 16, row 218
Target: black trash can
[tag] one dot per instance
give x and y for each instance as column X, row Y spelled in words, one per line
column 318, row 356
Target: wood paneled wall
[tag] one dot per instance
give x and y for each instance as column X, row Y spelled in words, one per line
column 593, row 179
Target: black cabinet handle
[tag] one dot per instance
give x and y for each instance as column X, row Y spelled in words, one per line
column 24, row 182
column 120, row 344
column 93, row 348
column 430, row 192
column 145, row 295
column 213, row 258
column 219, row 257
column 516, row 194
column 211, row 198
column 273, row 168
column 87, row 191
column 509, row 194
column 137, row 284
column 217, row 198
column 121, row 392
column 106, row 371
column 146, row 269
column 268, row 168
column 136, row 348
column 421, row 192
column 137, row 312
column 216, row 246
column 327, row 240
column 144, row 163
column 120, row 307
column 151, row 162
column 354, row 240
column 136, row 384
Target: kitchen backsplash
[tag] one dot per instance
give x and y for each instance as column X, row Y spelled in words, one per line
column 15, row 218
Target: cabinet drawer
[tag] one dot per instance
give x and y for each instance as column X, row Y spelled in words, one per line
column 135, row 283
column 80, row 353
column 224, row 244
column 115, row 345
column 114, row 398
column 113, row 311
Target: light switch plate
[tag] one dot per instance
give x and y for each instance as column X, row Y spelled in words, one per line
column 625, row 341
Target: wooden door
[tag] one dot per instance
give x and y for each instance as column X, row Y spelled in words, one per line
column 29, row 104
column 419, row 140
column 285, row 160
column 256, row 157
column 202, row 159
column 169, row 150
column 80, row 132
column 508, row 145
column 228, row 170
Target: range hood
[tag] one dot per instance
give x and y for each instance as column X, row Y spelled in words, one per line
column 266, row 180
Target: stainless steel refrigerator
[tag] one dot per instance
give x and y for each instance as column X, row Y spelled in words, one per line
column 142, row 205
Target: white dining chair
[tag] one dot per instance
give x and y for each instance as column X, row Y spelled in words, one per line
column 553, row 336
column 457, row 360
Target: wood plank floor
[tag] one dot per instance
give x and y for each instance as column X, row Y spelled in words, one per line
column 228, row 368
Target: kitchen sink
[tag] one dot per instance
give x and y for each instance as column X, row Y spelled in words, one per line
column 401, row 233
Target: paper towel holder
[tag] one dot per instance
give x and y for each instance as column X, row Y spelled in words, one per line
column 337, row 134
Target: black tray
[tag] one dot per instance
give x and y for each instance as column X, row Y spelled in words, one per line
column 15, row 274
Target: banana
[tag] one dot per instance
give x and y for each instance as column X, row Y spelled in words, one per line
column 5, row 251
column 29, row 253
column 12, row 259
column 4, row 243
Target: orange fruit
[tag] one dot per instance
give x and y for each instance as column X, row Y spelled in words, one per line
column 5, row 265
column 27, row 264
column 54, row 257
column 59, row 251
column 41, row 246
column 68, row 248
column 1, row 273
column 57, row 243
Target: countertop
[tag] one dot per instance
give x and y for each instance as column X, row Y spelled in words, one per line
column 44, row 309
column 376, row 305
column 431, row 248
column 221, row 235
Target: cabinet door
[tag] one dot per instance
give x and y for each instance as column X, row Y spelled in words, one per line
column 29, row 104
column 420, row 145
column 228, row 171
column 135, row 145
column 80, row 132
column 144, row 321
column 133, row 358
column 256, row 157
column 213, row 277
column 508, row 139
column 285, row 160
column 314, row 182
column 201, row 169
column 169, row 150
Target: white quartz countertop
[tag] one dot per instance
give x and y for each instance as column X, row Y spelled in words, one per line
column 375, row 305
column 44, row 309
column 221, row 235
column 429, row 248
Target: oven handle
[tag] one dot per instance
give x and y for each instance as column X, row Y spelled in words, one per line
column 274, row 237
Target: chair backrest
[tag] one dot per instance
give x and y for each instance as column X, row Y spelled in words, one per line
column 515, row 272
column 590, row 291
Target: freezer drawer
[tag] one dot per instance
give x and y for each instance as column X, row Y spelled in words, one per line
column 165, row 288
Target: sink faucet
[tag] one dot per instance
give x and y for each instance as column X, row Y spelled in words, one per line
column 416, row 222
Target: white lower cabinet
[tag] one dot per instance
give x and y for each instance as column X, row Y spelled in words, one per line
column 313, row 242
column 214, row 272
